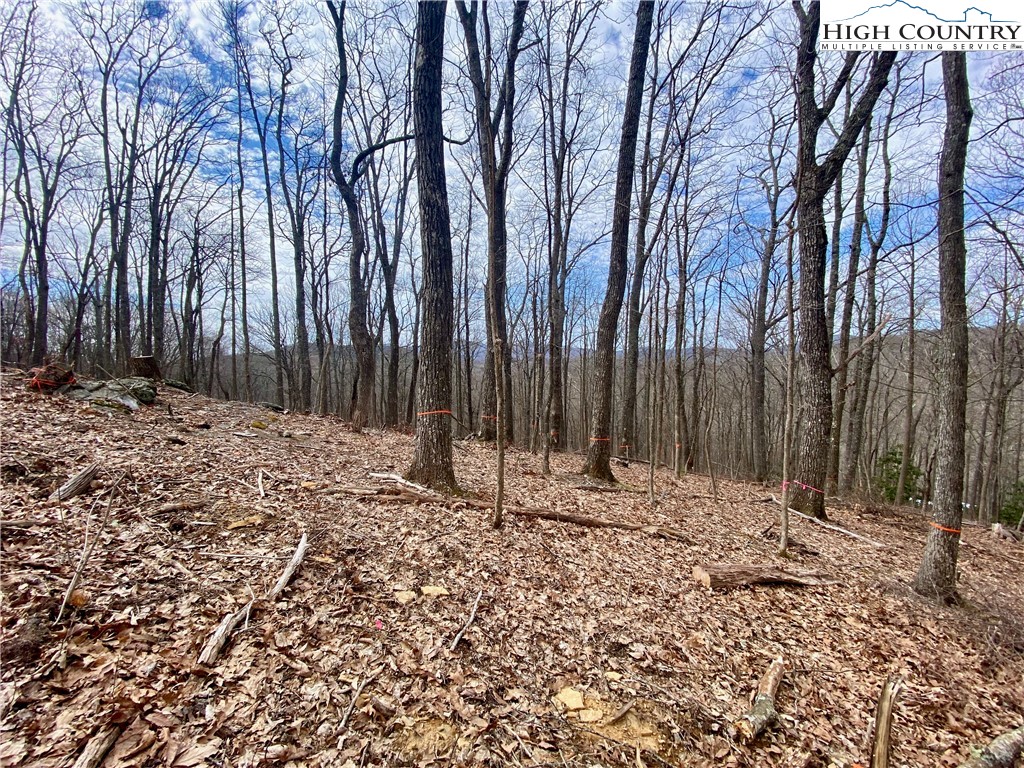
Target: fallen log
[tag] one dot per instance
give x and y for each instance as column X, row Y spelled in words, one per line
column 883, row 722
column 215, row 644
column 730, row 576
column 1002, row 752
column 834, row 528
column 762, row 712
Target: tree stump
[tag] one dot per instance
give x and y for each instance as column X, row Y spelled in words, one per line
column 146, row 367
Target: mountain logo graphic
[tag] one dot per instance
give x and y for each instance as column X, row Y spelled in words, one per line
column 971, row 14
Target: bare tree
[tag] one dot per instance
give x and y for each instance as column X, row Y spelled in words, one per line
column 814, row 179
column 598, row 463
column 494, row 139
column 44, row 127
column 432, row 461
column 937, row 575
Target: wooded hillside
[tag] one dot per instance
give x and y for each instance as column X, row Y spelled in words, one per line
column 411, row 633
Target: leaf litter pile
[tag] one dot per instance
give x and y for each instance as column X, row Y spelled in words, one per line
column 411, row 633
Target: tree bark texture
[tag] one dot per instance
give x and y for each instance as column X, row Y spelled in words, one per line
column 432, row 461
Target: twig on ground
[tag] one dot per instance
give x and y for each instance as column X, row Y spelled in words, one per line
column 472, row 615
column 88, row 547
column 355, row 696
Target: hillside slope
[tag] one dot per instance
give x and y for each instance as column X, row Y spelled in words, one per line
column 212, row 499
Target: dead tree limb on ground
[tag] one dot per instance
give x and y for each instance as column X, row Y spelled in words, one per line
column 227, row 625
column 835, row 528
column 408, row 493
column 730, row 576
column 1003, row 752
column 79, row 483
column 762, row 713
column 98, row 746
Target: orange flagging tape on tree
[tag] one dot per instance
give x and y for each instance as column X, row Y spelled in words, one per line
column 933, row 524
column 488, row 418
column 805, row 486
column 433, row 413
column 600, row 439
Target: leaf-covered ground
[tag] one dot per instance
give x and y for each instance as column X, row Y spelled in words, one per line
column 574, row 625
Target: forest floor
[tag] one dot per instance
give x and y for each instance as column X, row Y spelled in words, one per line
column 352, row 664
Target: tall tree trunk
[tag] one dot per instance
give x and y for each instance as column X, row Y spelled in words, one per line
column 494, row 139
column 598, row 463
column 849, row 295
column 937, row 574
column 432, row 461
column 361, row 410
column 814, row 179
column 908, row 416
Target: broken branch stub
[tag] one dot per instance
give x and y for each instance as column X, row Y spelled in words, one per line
column 883, row 722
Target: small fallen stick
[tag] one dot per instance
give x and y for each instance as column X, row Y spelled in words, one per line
column 831, row 527
column 87, row 548
column 883, row 722
column 1002, row 752
column 355, row 696
column 400, row 480
column 259, row 482
column 231, row 620
column 762, row 713
column 472, row 615
column 621, row 713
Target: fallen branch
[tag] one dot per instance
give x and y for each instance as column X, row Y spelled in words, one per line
column 621, row 713
column 835, row 528
column 663, row 531
column 98, row 746
column 883, row 722
column 1003, row 752
column 390, row 476
column 79, row 483
column 730, row 576
column 411, row 493
column 22, row 523
column 762, row 713
column 230, row 621
column 472, row 615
